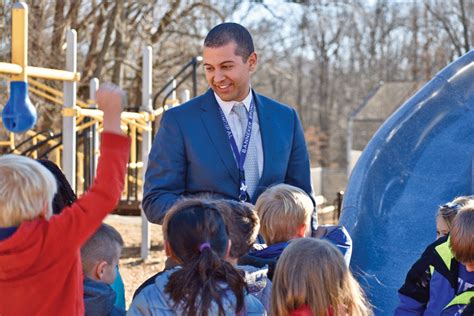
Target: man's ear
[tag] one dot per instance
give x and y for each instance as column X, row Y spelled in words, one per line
column 252, row 61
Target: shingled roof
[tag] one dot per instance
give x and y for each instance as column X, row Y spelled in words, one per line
column 388, row 98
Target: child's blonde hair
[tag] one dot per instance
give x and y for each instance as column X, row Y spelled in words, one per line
column 26, row 188
column 282, row 209
column 312, row 272
column 449, row 210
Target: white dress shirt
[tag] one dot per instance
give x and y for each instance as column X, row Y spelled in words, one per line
column 236, row 129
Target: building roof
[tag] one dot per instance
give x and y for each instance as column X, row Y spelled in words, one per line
column 389, row 97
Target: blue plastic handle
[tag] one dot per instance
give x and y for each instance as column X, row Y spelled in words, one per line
column 19, row 114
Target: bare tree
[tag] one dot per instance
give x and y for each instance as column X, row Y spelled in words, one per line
column 453, row 19
column 321, row 56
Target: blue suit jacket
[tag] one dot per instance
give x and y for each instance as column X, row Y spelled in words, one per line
column 191, row 154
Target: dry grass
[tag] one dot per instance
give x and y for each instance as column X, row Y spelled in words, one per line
column 133, row 269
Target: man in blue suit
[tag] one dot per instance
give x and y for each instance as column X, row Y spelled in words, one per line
column 229, row 142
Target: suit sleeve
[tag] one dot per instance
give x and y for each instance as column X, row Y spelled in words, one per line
column 299, row 172
column 166, row 171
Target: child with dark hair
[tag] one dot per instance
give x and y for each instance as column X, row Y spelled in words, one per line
column 243, row 224
column 65, row 195
column 100, row 256
column 449, row 288
column 204, row 283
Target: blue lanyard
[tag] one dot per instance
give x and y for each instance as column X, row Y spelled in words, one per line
column 242, row 154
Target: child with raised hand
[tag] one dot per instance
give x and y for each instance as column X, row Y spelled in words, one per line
column 203, row 283
column 100, row 256
column 312, row 279
column 65, row 196
column 40, row 265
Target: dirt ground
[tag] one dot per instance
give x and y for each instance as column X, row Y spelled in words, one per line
column 132, row 268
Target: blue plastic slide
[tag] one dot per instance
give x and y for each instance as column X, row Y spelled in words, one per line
column 420, row 158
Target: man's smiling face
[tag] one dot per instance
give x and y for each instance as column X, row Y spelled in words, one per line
column 227, row 73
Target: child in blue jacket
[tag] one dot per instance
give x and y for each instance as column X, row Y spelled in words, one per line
column 285, row 214
column 448, row 287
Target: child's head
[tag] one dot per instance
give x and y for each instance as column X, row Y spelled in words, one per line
column 101, row 253
column 284, row 212
column 446, row 214
column 242, row 224
column 462, row 236
column 65, row 195
column 26, row 190
column 196, row 236
column 312, row 272
column 180, row 229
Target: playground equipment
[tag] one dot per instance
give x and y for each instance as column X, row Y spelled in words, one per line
column 193, row 63
column 420, row 158
column 19, row 114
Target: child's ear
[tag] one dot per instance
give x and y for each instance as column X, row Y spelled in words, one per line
column 44, row 211
column 301, row 231
column 100, row 269
column 227, row 251
column 167, row 248
column 169, row 251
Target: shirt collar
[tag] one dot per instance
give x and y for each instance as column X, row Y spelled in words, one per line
column 226, row 106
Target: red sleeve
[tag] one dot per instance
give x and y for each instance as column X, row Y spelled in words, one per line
column 77, row 223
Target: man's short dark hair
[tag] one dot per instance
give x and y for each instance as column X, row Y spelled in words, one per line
column 225, row 33
column 102, row 246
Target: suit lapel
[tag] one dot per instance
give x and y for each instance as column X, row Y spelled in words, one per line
column 215, row 129
column 267, row 130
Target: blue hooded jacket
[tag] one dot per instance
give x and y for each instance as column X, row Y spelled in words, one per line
column 99, row 299
column 262, row 255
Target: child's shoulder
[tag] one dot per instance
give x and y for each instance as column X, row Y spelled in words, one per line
column 153, row 299
column 253, row 306
column 99, row 298
column 151, row 280
column 154, row 286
